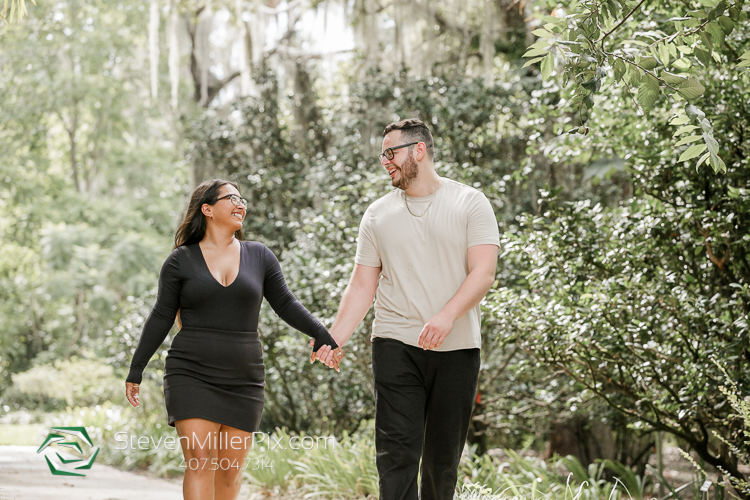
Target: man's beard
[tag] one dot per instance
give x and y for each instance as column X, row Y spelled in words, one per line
column 408, row 173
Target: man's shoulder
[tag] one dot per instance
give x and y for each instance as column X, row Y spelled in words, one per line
column 384, row 201
column 463, row 193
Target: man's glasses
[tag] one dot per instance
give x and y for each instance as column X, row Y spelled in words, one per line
column 236, row 200
column 388, row 153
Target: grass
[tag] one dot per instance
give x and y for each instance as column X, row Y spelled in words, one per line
column 345, row 470
column 22, row 434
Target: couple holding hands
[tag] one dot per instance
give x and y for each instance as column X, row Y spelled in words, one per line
column 426, row 253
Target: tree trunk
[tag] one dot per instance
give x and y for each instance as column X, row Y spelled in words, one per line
column 201, row 49
column 488, row 41
column 153, row 46
column 245, row 48
column 174, row 52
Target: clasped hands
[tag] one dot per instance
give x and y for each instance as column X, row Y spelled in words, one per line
column 327, row 356
column 432, row 336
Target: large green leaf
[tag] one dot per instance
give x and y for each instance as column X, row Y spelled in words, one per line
column 726, row 24
column 548, row 64
column 648, row 92
column 619, row 69
column 535, row 52
column 671, row 78
column 717, row 33
column 687, row 140
column 691, row 89
column 703, row 55
column 692, row 152
column 686, row 128
column 532, row 61
column 648, row 63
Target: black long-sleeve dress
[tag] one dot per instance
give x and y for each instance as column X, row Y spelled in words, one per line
column 214, row 369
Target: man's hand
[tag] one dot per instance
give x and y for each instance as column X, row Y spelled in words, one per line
column 435, row 331
column 327, row 356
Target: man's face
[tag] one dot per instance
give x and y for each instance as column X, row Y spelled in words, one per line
column 403, row 168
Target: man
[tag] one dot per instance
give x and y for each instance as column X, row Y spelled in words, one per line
column 429, row 249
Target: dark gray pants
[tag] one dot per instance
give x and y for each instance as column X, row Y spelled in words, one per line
column 423, row 403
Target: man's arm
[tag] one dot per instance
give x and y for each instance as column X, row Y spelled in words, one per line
column 482, row 260
column 355, row 302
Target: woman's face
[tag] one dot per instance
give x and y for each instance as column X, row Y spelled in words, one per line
column 224, row 212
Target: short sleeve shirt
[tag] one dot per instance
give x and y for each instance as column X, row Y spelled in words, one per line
column 423, row 259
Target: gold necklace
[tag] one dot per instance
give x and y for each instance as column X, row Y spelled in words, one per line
column 428, row 206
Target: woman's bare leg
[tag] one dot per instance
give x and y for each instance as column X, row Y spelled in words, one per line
column 199, row 440
column 232, row 454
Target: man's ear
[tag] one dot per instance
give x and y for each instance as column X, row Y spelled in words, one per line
column 421, row 150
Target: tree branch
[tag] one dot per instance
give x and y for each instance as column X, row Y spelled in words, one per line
column 621, row 22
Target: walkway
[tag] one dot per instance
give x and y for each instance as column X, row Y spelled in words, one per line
column 24, row 475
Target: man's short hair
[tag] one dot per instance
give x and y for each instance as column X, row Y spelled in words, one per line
column 413, row 130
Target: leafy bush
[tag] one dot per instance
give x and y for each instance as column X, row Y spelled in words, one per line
column 72, row 382
column 627, row 303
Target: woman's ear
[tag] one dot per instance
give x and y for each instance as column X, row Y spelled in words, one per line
column 206, row 209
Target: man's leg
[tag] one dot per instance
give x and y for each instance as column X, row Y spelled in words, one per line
column 398, row 372
column 452, row 383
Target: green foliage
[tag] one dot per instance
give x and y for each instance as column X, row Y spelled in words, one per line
column 740, row 403
column 74, row 382
column 668, row 48
column 86, row 191
column 336, row 467
column 627, row 303
column 331, row 468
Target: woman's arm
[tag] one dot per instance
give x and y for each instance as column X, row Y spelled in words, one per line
column 288, row 307
column 160, row 321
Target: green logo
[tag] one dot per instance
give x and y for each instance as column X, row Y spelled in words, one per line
column 66, row 465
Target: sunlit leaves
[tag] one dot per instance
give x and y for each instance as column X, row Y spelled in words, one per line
column 709, row 142
column 669, row 48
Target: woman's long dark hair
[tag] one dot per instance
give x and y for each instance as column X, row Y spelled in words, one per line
column 193, row 227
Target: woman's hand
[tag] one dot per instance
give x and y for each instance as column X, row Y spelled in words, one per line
column 327, row 356
column 131, row 392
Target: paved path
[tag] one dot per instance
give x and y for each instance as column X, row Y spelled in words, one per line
column 24, row 475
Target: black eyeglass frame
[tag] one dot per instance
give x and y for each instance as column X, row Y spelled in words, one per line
column 242, row 201
column 388, row 153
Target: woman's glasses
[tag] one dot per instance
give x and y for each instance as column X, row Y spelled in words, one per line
column 236, row 200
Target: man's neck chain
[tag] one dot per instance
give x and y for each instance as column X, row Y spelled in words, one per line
column 428, row 206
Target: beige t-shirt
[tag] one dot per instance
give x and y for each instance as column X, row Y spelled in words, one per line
column 424, row 259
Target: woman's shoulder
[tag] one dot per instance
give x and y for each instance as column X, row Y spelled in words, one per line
column 253, row 245
column 183, row 250
column 260, row 251
column 256, row 248
column 184, row 254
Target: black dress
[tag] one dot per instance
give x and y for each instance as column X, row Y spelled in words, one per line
column 214, row 369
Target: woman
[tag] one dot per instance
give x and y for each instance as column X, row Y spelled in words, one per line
column 214, row 282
